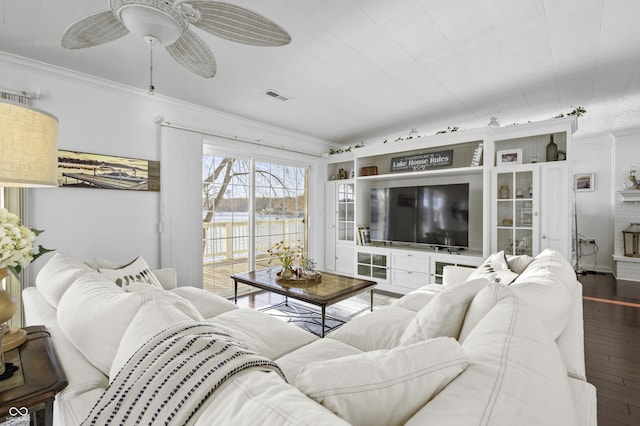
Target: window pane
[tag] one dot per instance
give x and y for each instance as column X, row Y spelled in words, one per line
column 280, row 213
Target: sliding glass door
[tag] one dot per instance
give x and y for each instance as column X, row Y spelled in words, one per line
column 248, row 206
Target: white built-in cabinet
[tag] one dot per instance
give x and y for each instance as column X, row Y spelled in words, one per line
column 519, row 201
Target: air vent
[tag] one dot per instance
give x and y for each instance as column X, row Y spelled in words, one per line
column 277, row 95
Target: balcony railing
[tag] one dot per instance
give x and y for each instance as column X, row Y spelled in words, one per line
column 227, row 241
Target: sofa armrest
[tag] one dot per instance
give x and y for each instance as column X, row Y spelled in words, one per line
column 168, row 277
column 455, row 274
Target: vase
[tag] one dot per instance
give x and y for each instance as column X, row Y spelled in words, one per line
column 552, row 150
column 4, row 272
column 286, row 273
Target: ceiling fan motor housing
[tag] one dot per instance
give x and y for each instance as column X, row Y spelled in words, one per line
column 151, row 18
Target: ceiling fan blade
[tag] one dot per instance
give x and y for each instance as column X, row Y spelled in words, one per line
column 93, row 31
column 239, row 24
column 191, row 52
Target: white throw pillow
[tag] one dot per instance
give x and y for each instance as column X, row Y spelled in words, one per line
column 208, row 304
column 155, row 294
column 519, row 263
column 515, row 376
column 57, row 275
column 496, row 269
column 444, row 314
column 94, row 313
column 97, row 263
column 152, row 318
column 384, row 387
column 136, row 271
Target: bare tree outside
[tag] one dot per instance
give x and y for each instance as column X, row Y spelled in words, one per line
column 280, row 214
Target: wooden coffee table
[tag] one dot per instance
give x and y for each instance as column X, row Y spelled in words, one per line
column 332, row 289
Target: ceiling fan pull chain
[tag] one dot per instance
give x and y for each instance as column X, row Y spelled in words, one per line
column 152, row 89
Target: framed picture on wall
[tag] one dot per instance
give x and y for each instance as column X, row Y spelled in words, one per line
column 583, row 182
column 509, row 157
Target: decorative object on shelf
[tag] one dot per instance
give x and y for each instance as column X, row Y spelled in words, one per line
column 364, row 236
column 477, row 156
column 552, row 150
column 562, row 155
column 530, row 191
column 493, row 122
column 509, row 157
column 519, row 193
column 369, row 170
column 631, row 239
column 420, row 162
column 448, row 130
column 504, row 192
column 632, row 182
column 534, row 159
column 507, row 222
column 577, row 112
column 343, row 174
column 583, row 182
column 334, row 151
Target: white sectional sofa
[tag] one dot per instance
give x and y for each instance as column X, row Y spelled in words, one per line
column 499, row 345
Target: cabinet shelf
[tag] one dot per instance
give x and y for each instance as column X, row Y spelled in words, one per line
column 424, row 173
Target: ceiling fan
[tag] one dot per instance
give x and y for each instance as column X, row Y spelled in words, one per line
column 167, row 23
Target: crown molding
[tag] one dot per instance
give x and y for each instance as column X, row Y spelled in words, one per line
column 318, row 145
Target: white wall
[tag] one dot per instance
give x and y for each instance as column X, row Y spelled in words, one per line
column 100, row 117
column 595, row 208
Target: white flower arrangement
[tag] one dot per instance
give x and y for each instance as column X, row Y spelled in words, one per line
column 17, row 243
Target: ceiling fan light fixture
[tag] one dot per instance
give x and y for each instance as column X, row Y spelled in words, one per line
column 151, row 18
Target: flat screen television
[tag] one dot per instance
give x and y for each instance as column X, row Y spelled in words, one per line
column 436, row 214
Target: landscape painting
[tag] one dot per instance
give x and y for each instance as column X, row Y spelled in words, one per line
column 84, row 170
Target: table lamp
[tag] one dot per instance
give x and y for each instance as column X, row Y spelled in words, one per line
column 29, row 146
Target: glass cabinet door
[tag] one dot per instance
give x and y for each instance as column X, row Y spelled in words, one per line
column 514, row 209
column 346, row 214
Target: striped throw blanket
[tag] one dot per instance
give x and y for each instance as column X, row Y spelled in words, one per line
column 170, row 377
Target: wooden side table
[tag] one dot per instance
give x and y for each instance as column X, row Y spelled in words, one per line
column 34, row 386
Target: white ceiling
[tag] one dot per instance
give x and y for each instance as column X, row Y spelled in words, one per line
column 367, row 69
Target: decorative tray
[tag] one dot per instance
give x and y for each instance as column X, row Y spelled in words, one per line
column 305, row 279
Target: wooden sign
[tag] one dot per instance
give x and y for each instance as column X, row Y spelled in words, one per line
column 420, row 162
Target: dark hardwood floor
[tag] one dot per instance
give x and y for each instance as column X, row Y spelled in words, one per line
column 612, row 346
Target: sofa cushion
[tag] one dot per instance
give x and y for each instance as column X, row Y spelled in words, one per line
column 549, row 298
column 418, row 299
column 444, row 314
column 262, row 333
column 494, row 268
column 208, row 304
column 260, row 398
column 57, row 275
column 94, row 313
column 135, row 271
column 384, row 387
column 319, row 350
column 515, row 372
column 152, row 293
column 549, row 267
column 380, row 329
column 152, row 318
